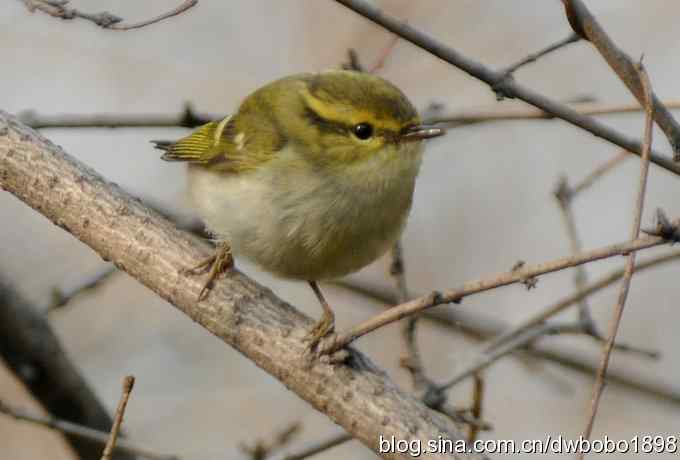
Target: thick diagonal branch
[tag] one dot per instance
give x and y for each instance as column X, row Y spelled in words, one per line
column 358, row 396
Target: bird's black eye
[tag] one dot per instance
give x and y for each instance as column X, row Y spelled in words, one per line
column 363, row 131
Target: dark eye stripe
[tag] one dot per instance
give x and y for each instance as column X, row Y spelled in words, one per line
column 338, row 127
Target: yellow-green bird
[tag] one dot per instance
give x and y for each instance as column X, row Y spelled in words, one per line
column 312, row 178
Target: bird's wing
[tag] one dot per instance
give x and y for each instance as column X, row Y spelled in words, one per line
column 227, row 145
column 201, row 146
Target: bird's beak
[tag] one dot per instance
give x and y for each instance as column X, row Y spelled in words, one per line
column 421, row 132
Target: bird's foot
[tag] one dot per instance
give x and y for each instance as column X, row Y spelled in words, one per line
column 323, row 328
column 322, row 339
column 221, row 261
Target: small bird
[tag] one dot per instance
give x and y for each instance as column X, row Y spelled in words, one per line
column 312, row 178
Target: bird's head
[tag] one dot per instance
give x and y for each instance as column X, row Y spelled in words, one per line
column 346, row 116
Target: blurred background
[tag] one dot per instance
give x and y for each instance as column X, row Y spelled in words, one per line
column 483, row 201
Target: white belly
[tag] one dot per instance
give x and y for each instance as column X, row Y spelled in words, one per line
column 297, row 223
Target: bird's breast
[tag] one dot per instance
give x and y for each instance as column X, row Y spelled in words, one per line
column 297, row 221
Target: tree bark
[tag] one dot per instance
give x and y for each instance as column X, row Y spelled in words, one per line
column 357, row 395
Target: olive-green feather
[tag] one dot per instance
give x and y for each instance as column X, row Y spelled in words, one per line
column 235, row 144
column 201, row 146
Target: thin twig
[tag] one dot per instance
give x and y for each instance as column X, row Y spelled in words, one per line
column 62, row 297
column 577, row 296
column 473, row 287
column 630, row 262
column 483, row 360
column 353, row 62
column 190, row 119
column 477, row 405
column 480, row 328
column 564, row 195
column 128, row 383
column 497, row 81
column 585, row 24
column 341, row 438
column 397, row 271
column 177, row 11
column 572, row 38
column 83, row 432
column 263, row 449
column 384, row 54
column 492, row 352
column 319, row 447
column 105, row 20
column 475, row 116
column 465, row 417
column 187, row 118
column 411, row 360
column 597, row 173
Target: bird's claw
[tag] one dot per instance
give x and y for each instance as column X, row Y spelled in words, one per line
column 325, row 327
column 322, row 342
column 221, row 261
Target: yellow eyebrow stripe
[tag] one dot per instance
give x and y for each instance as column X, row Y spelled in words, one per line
column 340, row 113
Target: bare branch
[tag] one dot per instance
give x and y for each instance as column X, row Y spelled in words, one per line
column 504, row 279
column 630, row 262
column 398, row 272
column 527, row 336
column 177, row 11
column 61, row 297
column 319, row 447
column 585, row 24
column 497, row 81
column 572, row 38
column 577, row 296
column 188, row 118
column 477, row 327
column 353, row 62
column 265, row 448
column 597, row 173
column 75, row 430
column 105, row 20
column 475, row 116
column 128, row 383
column 564, row 195
column 493, row 352
column 358, row 396
column 486, row 358
column 384, row 54
column 477, row 406
column 411, row 360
